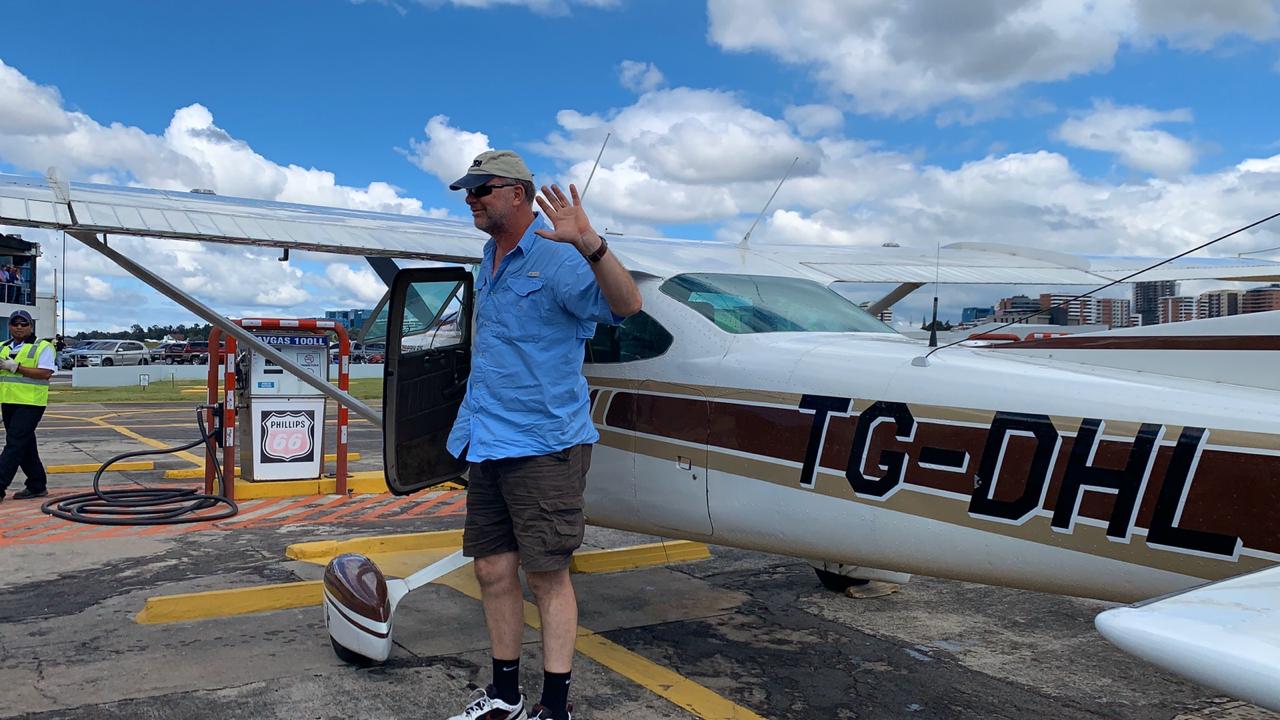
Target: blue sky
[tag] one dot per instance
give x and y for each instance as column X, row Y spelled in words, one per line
column 1120, row 126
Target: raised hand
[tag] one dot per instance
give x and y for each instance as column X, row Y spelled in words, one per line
column 568, row 219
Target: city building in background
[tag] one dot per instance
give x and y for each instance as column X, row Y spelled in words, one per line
column 1219, row 303
column 352, row 319
column 1020, row 307
column 1176, row 309
column 1261, row 299
column 1114, row 312
column 1063, row 310
column 974, row 314
column 1146, row 299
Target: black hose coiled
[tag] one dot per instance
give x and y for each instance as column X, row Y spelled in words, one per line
column 144, row 505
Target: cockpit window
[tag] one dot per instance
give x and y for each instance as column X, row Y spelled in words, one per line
column 744, row 304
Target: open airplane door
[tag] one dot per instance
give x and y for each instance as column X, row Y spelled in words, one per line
column 428, row 361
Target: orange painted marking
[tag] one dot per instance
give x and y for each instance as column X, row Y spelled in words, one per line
column 352, row 508
column 424, row 507
column 309, row 512
column 456, row 507
column 385, row 509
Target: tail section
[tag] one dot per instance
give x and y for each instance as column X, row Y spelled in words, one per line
column 1239, row 350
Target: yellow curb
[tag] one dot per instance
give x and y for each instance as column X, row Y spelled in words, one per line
column 667, row 684
column 638, row 556
column 225, row 603
column 193, row 473
column 93, row 467
column 357, row 484
column 322, row 551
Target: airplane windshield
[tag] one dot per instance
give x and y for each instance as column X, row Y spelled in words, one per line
column 743, row 304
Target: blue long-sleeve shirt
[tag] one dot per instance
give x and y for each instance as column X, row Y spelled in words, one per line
column 526, row 394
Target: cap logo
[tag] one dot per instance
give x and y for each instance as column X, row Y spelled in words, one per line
column 475, row 163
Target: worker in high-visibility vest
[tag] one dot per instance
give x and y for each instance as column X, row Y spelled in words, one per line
column 26, row 364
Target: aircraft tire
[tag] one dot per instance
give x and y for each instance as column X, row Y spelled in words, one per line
column 349, row 656
column 835, row 582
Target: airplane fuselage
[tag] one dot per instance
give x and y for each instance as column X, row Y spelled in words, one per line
column 1051, row 476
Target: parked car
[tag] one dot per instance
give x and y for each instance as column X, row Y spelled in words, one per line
column 157, row 353
column 106, row 353
column 194, row 352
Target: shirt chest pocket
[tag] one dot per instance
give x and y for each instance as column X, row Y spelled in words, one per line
column 524, row 307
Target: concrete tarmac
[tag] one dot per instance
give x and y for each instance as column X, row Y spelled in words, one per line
column 755, row 630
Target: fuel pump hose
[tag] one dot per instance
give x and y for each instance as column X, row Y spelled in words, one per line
column 146, row 505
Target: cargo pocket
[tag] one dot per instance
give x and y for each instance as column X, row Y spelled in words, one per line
column 564, row 515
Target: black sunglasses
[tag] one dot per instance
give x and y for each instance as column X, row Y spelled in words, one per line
column 480, row 191
column 19, row 323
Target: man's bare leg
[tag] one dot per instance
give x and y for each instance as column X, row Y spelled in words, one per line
column 503, row 602
column 558, row 607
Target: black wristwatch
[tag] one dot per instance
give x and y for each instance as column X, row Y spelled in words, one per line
column 600, row 251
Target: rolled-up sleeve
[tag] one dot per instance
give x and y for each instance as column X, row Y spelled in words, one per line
column 580, row 294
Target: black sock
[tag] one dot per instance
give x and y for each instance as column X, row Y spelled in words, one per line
column 555, row 694
column 506, row 680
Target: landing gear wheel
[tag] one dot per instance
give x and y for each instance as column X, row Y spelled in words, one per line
column 350, row 657
column 835, row 582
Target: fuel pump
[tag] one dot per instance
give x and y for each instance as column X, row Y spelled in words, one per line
column 285, row 415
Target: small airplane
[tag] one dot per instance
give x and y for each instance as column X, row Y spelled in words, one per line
column 750, row 405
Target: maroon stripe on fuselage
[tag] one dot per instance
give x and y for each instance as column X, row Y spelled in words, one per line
column 1231, row 493
column 1140, row 342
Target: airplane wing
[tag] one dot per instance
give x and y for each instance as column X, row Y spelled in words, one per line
column 91, row 208
column 35, row 202
column 1225, row 635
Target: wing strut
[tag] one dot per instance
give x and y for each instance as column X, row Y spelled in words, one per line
column 210, row 315
column 893, row 297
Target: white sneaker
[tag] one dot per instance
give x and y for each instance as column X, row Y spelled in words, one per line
column 486, row 705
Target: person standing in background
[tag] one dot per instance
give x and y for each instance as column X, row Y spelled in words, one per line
column 26, row 364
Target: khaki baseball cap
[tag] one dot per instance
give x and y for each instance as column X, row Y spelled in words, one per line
column 491, row 164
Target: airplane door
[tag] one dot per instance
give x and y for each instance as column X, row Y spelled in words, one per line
column 670, row 455
column 428, row 360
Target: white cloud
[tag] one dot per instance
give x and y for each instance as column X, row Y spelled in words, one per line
column 1127, row 132
column 639, row 77
column 37, row 131
column 96, row 289
column 810, row 120
column 1199, row 25
column 35, row 110
column 354, row 287
column 447, row 152
column 892, row 57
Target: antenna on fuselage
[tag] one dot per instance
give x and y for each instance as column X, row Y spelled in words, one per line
column 746, row 238
column 599, row 155
column 937, row 273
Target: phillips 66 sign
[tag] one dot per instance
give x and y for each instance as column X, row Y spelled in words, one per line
column 287, row 438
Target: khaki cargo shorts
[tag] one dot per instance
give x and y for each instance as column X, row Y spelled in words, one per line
column 528, row 505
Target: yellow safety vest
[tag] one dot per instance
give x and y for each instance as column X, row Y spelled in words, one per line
column 20, row 390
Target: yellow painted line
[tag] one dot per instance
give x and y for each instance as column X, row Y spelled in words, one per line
column 190, row 473
column 322, row 551
column 226, row 603
column 93, row 467
column 638, row 556
column 101, row 421
column 667, row 684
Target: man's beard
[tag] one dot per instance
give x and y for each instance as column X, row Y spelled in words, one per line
column 490, row 222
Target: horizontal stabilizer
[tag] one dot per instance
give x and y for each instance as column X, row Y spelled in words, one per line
column 1225, row 635
column 1239, row 350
